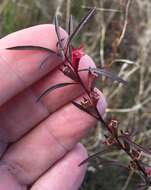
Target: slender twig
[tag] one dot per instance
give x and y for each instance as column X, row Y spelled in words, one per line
column 128, row 180
column 103, row 9
column 125, row 23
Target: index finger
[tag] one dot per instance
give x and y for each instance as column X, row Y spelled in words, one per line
column 19, row 69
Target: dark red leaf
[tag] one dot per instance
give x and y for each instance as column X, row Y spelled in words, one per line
column 106, row 73
column 81, row 25
column 136, row 146
column 92, row 156
column 57, row 29
column 110, row 162
column 57, row 44
column 31, row 47
column 54, row 87
column 45, row 61
column 70, row 28
column 97, row 154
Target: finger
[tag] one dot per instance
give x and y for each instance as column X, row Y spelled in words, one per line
column 67, row 168
column 47, row 143
column 8, row 181
column 22, row 112
column 19, row 69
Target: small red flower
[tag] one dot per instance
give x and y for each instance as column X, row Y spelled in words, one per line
column 77, row 53
column 136, row 154
column 113, row 126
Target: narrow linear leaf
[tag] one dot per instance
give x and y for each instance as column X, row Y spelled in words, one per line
column 95, row 155
column 110, row 75
column 102, row 120
column 54, row 87
column 59, row 38
column 45, row 61
column 70, row 26
column 139, row 147
column 90, row 157
column 31, row 47
column 144, row 164
column 108, row 162
column 62, row 39
column 48, row 57
column 81, row 25
column 106, row 73
column 70, row 31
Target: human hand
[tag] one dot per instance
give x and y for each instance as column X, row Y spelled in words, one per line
column 38, row 140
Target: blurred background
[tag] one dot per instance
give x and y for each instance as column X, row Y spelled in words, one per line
column 119, row 38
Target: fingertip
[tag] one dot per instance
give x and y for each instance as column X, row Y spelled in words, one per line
column 39, row 35
column 66, row 174
column 80, row 154
column 22, row 66
column 86, row 62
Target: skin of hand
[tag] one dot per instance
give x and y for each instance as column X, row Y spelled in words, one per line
column 39, row 141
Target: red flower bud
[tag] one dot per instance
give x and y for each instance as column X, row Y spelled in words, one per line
column 77, row 53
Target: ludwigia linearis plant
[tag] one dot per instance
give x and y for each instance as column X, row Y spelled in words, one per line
column 115, row 139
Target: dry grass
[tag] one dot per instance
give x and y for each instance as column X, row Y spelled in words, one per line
column 120, row 38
